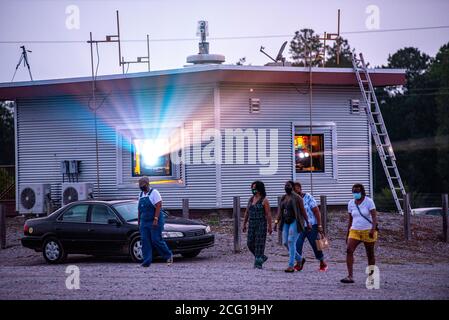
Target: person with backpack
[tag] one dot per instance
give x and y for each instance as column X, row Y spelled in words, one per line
column 314, row 215
column 258, row 213
column 292, row 218
column 151, row 223
column 362, row 228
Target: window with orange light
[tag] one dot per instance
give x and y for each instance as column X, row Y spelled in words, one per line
column 309, row 152
column 150, row 158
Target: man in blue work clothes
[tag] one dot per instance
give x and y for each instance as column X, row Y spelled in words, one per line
column 151, row 223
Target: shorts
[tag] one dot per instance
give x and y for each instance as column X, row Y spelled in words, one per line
column 362, row 235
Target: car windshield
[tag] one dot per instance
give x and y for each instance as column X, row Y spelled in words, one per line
column 128, row 210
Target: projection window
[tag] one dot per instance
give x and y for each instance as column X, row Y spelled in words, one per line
column 309, row 153
column 150, row 157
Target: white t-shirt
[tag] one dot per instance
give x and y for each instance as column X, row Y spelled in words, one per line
column 155, row 196
column 358, row 222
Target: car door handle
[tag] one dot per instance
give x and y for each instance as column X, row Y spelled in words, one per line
column 90, row 230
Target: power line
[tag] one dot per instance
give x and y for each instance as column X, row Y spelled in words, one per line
column 226, row 37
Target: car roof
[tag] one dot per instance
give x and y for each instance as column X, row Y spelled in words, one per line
column 105, row 201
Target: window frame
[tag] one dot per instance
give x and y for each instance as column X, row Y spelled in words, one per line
column 304, row 126
column 178, row 177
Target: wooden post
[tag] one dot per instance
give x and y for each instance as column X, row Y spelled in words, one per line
column 237, row 231
column 279, row 230
column 323, row 210
column 185, row 208
column 2, row 227
column 407, row 230
column 445, row 211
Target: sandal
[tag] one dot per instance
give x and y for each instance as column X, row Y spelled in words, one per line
column 347, row 280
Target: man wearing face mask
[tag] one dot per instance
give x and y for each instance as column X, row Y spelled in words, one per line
column 151, row 223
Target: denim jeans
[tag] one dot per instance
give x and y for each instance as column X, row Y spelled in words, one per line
column 290, row 235
column 312, row 236
column 152, row 237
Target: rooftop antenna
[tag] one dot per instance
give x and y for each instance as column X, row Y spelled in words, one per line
column 203, row 56
column 145, row 59
column 94, row 107
column 24, row 58
column 331, row 37
column 279, row 57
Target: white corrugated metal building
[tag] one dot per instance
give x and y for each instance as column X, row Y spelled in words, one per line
column 54, row 123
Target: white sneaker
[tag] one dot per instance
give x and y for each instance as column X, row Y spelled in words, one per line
column 170, row 261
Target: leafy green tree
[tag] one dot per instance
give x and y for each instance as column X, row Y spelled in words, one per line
column 304, row 47
column 439, row 75
column 417, row 120
column 6, row 133
column 345, row 54
column 414, row 61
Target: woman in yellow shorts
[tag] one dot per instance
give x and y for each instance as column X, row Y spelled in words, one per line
column 362, row 228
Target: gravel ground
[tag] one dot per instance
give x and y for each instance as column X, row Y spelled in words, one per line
column 415, row 270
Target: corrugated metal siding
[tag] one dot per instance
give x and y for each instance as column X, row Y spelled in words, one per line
column 62, row 128
column 280, row 107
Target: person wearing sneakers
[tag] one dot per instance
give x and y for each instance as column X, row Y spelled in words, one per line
column 258, row 214
column 291, row 217
column 362, row 227
column 314, row 216
column 151, row 223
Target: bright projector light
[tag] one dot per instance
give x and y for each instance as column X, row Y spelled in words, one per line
column 149, row 159
column 152, row 150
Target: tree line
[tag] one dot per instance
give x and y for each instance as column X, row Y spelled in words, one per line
column 416, row 115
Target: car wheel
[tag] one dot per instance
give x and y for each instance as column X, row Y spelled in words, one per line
column 135, row 250
column 191, row 254
column 53, row 251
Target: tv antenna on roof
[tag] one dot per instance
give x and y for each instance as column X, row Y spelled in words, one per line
column 279, row 57
column 145, row 59
column 24, row 58
column 331, row 37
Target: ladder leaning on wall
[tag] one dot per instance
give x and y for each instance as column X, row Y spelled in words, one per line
column 379, row 131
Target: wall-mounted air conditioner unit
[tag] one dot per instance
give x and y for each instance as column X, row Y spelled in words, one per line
column 72, row 191
column 33, row 198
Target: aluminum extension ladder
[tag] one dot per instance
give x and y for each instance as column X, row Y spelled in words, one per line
column 379, row 132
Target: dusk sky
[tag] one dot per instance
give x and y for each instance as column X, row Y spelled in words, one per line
column 172, row 24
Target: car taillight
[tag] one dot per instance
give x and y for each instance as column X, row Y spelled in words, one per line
column 26, row 228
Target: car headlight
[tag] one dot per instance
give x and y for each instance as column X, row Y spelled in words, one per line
column 207, row 229
column 170, row 234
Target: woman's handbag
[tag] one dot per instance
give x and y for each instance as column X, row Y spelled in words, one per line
column 322, row 243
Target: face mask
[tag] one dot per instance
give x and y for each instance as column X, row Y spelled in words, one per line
column 357, row 195
column 254, row 191
column 288, row 189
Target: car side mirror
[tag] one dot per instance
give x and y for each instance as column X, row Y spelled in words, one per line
column 113, row 221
